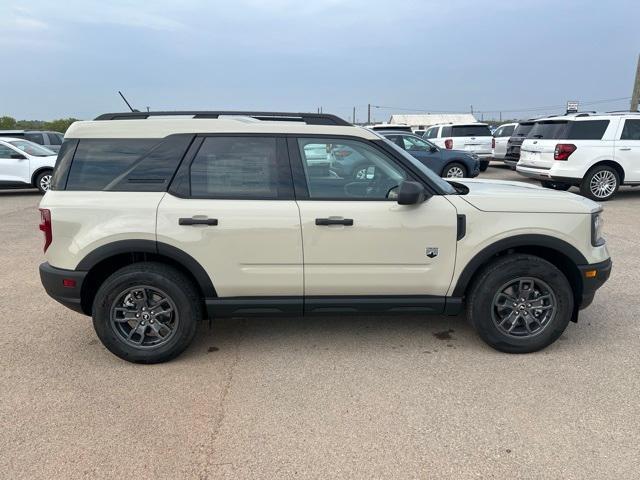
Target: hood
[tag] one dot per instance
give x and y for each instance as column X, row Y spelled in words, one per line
column 505, row 196
column 446, row 154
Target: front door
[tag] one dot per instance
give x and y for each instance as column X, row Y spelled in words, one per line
column 358, row 241
column 231, row 208
column 628, row 149
column 14, row 166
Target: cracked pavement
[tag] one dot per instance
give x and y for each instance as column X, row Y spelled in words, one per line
column 334, row 397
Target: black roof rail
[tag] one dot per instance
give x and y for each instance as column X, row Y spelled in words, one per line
column 308, row 118
column 622, row 112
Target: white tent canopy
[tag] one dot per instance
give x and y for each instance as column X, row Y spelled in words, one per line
column 428, row 119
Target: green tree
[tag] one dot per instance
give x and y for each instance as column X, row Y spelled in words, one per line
column 59, row 125
column 7, row 123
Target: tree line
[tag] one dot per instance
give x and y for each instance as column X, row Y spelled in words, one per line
column 59, row 125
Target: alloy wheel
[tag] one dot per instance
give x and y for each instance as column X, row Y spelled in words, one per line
column 455, row 172
column 603, row 184
column 524, row 307
column 45, row 182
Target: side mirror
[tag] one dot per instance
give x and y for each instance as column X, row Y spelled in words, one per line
column 433, row 149
column 411, row 193
column 17, row 156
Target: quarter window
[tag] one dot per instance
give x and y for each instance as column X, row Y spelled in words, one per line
column 631, row 130
column 6, row 152
column 353, row 171
column 236, row 167
column 587, row 130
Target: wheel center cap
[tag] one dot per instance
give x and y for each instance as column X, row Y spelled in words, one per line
column 146, row 316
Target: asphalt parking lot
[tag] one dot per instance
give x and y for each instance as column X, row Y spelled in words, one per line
column 338, row 397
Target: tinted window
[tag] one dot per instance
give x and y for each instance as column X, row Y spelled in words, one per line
column 365, row 173
column 97, row 163
column 470, row 131
column 498, row 132
column 522, row 130
column 34, row 137
column 6, row 152
column 414, row 144
column 236, row 167
column 549, row 130
column 54, row 139
column 507, row 131
column 587, row 130
column 631, row 130
column 32, row 148
column 431, row 133
column 446, row 132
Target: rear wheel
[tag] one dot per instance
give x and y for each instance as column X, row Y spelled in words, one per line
column 43, row 181
column 520, row 303
column 146, row 312
column 454, row 170
column 556, row 185
column 600, row 183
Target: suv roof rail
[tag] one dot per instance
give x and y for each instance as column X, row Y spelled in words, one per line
column 308, row 118
column 624, row 112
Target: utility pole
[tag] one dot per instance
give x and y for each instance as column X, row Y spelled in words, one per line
column 636, row 89
column 471, row 109
column 369, row 114
column 500, row 117
column 353, row 117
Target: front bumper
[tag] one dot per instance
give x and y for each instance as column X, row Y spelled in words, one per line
column 593, row 277
column 64, row 286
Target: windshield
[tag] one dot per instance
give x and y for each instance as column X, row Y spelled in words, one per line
column 441, row 183
column 32, row 148
column 522, row 129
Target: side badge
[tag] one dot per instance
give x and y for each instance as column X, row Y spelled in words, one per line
column 432, row 252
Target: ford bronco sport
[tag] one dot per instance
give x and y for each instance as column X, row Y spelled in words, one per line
column 152, row 224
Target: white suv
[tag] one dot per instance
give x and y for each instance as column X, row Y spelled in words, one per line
column 24, row 164
column 472, row 137
column 152, row 225
column 597, row 152
column 500, row 138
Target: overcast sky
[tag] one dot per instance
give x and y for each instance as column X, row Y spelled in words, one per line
column 69, row 58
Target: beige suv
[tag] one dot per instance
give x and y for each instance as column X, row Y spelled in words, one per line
column 155, row 221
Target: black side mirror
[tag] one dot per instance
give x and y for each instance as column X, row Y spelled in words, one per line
column 17, row 156
column 411, row 193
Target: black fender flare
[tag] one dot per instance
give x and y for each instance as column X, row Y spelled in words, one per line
column 38, row 172
column 150, row 246
column 525, row 240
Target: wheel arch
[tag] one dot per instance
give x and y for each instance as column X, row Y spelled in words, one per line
column 37, row 172
column 558, row 252
column 108, row 258
column 610, row 163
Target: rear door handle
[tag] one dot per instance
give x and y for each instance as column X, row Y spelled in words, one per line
column 334, row 221
column 198, row 221
column 625, row 148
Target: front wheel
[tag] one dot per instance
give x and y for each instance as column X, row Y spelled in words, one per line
column 520, row 303
column 484, row 164
column 454, row 170
column 600, row 183
column 43, row 181
column 146, row 312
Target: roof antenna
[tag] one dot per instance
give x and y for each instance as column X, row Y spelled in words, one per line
column 128, row 104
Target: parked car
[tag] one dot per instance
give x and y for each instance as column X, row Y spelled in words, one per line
column 471, row 137
column 514, row 143
column 446, row 163
column 500, row 138
column 420, row 132
column 152, row 225
column 596, row 152
column 25, row 164
column 50, row 140
column 391, row 126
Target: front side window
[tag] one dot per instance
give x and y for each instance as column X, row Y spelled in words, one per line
column 414, row 144
column 631, row 130
column 498, row 132
column 32, row 148
column 238, row 167
column 356, row 171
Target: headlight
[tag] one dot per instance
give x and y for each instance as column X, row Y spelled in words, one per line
column 597, row 222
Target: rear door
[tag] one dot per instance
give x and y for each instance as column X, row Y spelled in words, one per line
column 231, row 208
column 627, row 148
column 502, row 136
column 472, row 138
column 358, row 241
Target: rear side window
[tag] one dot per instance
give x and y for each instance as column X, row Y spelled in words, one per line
column 54, row 139
column 446, row 132
column 236, row 167
column 587, row 130
column 549, row 130
column 97, row 163
column 631, row 130
column 507, row 131
column 34, row 137
column 470, row 131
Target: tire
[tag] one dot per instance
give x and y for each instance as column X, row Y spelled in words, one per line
column 43, row 181
column 556, row 185
column 488, row 288
column 484, row 164
column 454, row 170
column 600, row 183
column 175, row 331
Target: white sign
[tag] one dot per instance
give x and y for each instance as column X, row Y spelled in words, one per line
column 572, row 106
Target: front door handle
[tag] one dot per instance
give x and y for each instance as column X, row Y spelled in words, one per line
column 198, row 221
column 334, row 221
column 625, row 148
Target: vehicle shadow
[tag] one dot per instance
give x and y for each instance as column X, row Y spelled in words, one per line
column 20, row 192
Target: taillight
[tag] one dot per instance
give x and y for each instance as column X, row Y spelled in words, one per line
column 448, row 143
column 563, row 151
column 45, row 226
column 493, row 142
